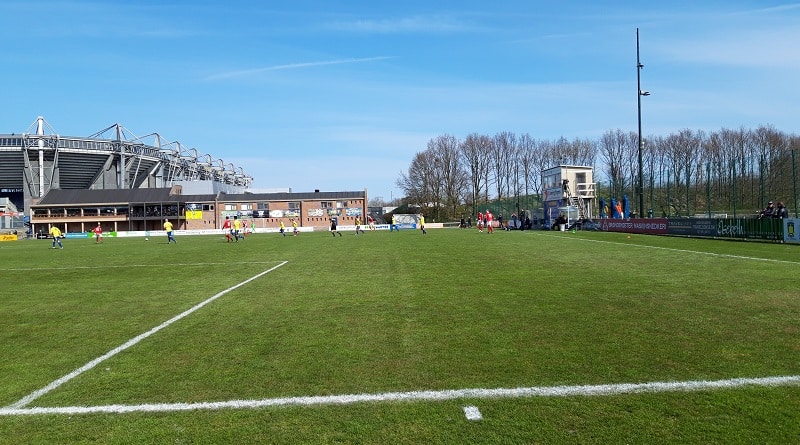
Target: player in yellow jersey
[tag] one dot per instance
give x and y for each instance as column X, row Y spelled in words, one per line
column 237, row 227
column 168, row 229
column 55, row 232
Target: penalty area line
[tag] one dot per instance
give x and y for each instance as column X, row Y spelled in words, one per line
column 541, row 391
column 60, row 381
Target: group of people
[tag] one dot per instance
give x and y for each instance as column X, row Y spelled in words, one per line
column 771, row 211
column 487, row 220
column 57, row 235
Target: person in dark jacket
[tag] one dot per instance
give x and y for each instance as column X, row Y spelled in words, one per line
column 781, row 211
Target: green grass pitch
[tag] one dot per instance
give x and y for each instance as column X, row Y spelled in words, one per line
column 384, row 314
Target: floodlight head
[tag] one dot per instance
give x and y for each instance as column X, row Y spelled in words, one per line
column 644, row 93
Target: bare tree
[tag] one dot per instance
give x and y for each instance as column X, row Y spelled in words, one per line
column 474, row 153
column 501, row 161
column 418, row 183
column 616, row 151
column 451, row 173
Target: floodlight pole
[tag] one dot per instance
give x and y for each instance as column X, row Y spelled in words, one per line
column 639, row 94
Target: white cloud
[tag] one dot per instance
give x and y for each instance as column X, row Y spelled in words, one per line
column 290, row 66
column 415, row 24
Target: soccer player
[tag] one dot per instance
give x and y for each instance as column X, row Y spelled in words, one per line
column 98, row 234
column 294, row 227
column 489, row 219
column 55, row 232
column 480, row 222
column 334, row 230
column 358, row 225
column 371, row 222
column 422, row 224
column 237, row 226
column 168, row 229
column 226, row 227
column 283, row 229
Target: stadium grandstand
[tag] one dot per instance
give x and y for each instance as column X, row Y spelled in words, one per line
column 39, row 159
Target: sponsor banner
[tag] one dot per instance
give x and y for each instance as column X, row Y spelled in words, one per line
column 316, row 212
column 8, row 237
column 692, row 227
column 405, row 226
column 260, row 213
column 791, row 228
column 750, row 228
column 194, row 214
column 655, row 226
column 353, row 211
column 77, row 234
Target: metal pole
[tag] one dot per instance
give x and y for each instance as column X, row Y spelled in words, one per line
column 708, row 187
column 794, row 180
column 639, row 94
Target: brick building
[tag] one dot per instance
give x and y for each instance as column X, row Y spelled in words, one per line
column 133, row 210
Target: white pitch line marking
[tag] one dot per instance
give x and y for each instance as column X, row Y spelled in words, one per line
column 34, row 269
column 472, row 413
column 723, row 255
column 540, row 391
column 60, row 381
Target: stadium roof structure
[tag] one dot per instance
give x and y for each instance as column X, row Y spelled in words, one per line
column 58, row 197
column 38, row 160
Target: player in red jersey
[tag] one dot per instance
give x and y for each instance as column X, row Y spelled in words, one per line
column 98, row 234
column 226, row 227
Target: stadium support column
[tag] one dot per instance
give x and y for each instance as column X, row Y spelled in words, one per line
column 40, row 143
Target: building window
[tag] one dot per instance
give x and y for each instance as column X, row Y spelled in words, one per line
column 230, row 207
column 263, row 205
column 294, row 205
column 208, row 207
column 326, row 205
column 246, row 207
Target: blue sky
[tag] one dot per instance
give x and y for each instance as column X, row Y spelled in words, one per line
column 340, row 95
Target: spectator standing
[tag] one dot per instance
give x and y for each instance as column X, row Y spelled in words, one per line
column 781, row 211
column 769, row 211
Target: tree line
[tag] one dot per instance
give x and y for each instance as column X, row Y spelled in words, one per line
column 684, row 173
